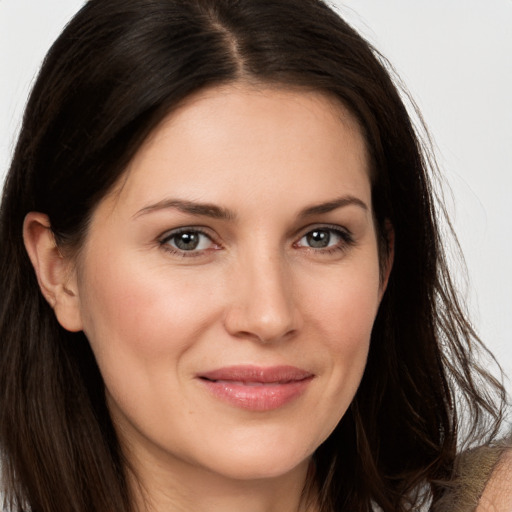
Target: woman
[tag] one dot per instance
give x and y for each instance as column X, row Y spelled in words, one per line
column 230, row 293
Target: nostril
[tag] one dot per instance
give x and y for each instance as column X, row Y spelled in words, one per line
column 262, row 307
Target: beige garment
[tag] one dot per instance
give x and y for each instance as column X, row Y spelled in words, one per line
column 483, row 482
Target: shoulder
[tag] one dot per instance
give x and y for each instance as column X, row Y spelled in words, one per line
column 482, row 481
column 497, row 495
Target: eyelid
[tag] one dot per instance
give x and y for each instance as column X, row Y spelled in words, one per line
column 341, row 231
column 169, row 234
column 345, row 232
column 166, row 235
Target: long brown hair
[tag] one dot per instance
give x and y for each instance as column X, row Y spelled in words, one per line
column 117, row 70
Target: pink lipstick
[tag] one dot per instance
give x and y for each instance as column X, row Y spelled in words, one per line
column 257, row 388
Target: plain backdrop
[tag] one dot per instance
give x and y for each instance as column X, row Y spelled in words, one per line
column 455, row 57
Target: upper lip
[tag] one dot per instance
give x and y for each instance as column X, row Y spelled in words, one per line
column 258, row 374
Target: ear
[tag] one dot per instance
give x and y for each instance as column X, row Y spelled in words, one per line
column 388, row 256
column 55, row 273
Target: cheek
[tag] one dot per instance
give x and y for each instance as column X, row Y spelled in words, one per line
column 347, row 305
column 144, row 327
column 347, row 326
column 341, row 319
column 135, row 318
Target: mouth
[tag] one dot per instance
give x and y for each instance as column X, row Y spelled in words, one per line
column 257, row 388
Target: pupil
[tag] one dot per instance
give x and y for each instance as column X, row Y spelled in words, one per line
column 318, row 239
column 187, row 241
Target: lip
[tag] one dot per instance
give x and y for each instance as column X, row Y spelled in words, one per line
column 257, row 388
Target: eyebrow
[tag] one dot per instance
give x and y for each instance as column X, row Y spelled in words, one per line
column 332, row 205
column 190, row 207
column 217, row 212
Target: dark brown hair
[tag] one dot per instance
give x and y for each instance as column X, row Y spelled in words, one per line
column 117, row 70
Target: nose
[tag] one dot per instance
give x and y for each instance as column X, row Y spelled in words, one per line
column 263, row 303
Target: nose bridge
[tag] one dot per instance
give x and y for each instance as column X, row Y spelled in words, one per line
column 263, row 307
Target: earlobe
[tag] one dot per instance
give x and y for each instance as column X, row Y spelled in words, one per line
column 55, row 273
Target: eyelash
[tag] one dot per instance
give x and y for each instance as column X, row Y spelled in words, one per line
column 346, row 240
column 164, row 242
column 345, row 236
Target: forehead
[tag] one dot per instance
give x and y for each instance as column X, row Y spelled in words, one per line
column 224, row 140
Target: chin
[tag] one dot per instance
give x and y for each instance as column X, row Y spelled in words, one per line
column 261, row 460
column 259, row 468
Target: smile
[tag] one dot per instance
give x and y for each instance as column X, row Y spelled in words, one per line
column 255, row 388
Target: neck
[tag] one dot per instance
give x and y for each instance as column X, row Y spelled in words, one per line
column 157, row 488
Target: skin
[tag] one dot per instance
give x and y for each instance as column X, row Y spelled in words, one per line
column 255, row 291
column 497, row 495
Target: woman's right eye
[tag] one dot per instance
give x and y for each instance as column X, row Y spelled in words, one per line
column 187, row 241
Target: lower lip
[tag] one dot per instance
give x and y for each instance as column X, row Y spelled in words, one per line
column 257, row 397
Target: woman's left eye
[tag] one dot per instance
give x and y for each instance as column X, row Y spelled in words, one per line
column 325, row 238
column 187, row 241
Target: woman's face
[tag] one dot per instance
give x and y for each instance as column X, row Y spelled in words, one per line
column 228, row 286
